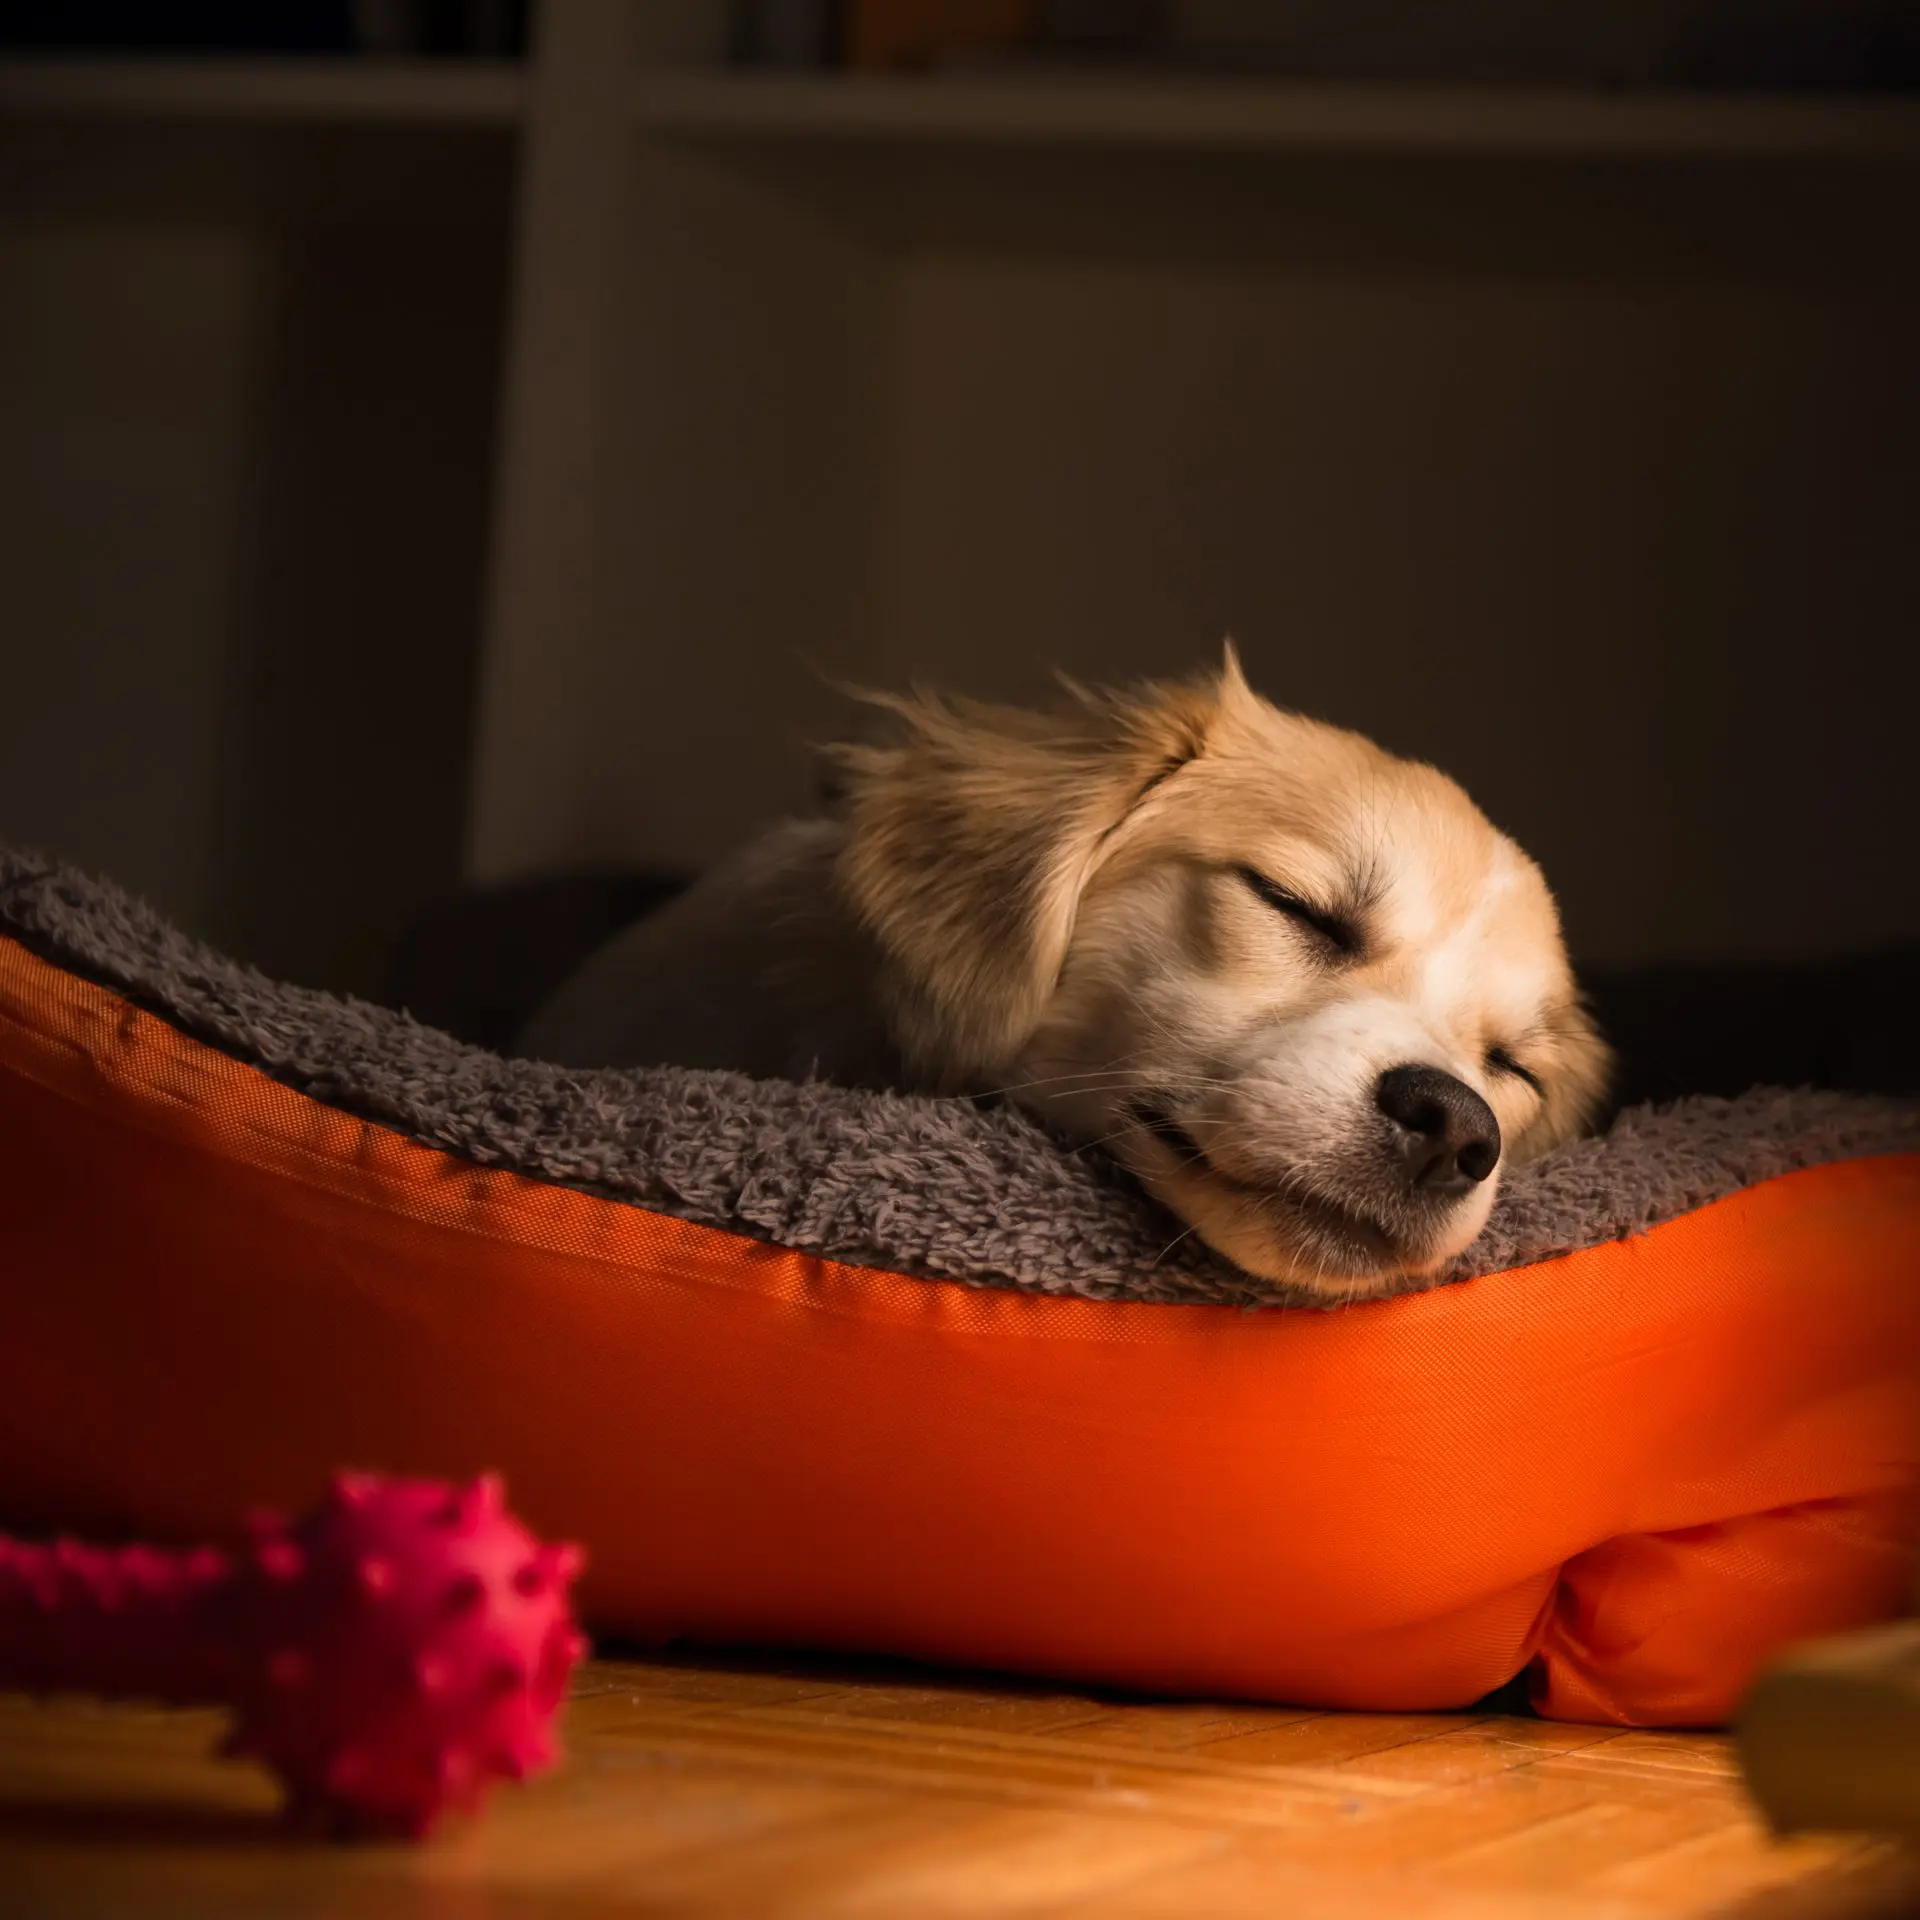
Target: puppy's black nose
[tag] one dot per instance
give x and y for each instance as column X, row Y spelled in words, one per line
column 1445, row 1134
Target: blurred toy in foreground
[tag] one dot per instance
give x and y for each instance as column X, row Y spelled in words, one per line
column 1830, row 1735
column 389, row 1656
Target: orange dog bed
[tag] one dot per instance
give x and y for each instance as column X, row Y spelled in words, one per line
column 251, row 1234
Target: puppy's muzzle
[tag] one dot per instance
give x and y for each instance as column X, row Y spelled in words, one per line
column 1442, row 1137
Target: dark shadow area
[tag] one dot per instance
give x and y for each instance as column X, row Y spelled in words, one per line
column 477, row 965
column 1852, row 1025
column 345, row 738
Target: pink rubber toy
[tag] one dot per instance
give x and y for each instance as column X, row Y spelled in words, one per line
column 389, row 1656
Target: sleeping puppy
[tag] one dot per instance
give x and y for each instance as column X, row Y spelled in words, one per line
column 1301, row 989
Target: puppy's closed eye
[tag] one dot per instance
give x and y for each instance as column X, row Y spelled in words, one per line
column 1499, row 1060
column 1335, row 930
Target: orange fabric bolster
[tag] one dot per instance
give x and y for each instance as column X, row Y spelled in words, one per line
column 1643, row 1466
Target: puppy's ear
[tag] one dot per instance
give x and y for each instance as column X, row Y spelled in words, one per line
column 970, row 840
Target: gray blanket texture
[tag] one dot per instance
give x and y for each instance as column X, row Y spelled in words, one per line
column 941, row 1189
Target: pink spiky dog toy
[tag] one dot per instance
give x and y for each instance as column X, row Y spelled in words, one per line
column 389, row 1656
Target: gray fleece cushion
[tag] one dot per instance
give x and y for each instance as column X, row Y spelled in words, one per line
column 941, row 1189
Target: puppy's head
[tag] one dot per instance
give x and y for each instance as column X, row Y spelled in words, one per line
column 1302, row 989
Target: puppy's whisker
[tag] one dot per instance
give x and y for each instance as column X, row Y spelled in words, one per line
column 1171, row 1244
column 1126, row 1078
column 1087, row 1076
column 1106, row 1139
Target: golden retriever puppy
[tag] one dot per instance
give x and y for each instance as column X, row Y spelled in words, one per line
column 1301, row 989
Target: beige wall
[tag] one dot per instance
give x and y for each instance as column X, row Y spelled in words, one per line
column 246, row 390
column 122, row 478
column 1631, row 556
column 1592, row 482
column 1594, row 485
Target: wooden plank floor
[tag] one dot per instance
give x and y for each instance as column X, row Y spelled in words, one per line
column 801, row 1789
